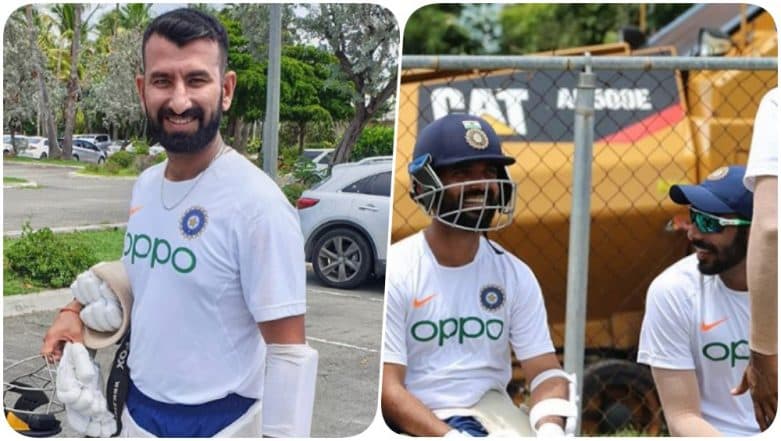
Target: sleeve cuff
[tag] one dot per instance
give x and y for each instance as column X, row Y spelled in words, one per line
column 279, row 311
column 394, row 358
column 664, row 362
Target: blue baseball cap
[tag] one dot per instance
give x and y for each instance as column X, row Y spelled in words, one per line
column 722, row 192
column 458, row 138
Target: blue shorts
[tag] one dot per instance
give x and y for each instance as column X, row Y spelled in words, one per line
column 185, row 420
column 467, row 424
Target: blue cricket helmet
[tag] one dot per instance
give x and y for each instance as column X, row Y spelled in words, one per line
column 459, row 138
column 451, row 140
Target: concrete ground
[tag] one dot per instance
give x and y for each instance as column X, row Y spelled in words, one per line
column 62, row 199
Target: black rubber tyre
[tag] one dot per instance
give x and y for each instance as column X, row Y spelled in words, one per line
column 76, row 158
column 342, row 258
column 620, row 395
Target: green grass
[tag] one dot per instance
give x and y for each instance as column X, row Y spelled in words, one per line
column 101, row 170
column 13, row 180
column 70, row 162
column 105, row 244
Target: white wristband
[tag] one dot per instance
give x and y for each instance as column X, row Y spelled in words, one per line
column 550, row 430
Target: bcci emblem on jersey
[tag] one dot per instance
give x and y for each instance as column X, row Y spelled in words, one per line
column 491, row 297
column 193, row 222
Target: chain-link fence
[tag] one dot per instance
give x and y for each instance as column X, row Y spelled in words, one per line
column 658, row 121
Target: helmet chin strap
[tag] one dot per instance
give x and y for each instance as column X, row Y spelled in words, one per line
column 490, row 244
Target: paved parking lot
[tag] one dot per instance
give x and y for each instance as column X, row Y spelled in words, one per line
column 62, row 199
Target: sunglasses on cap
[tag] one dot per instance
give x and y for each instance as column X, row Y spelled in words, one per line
column 709, row 223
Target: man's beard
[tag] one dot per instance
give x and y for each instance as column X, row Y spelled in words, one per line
column 725, row 258
column 468, row 217
column 180, row 142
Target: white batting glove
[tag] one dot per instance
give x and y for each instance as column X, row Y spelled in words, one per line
column 102, row 311
column 78, row 389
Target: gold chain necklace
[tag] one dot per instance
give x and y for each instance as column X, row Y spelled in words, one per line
column 223, row 149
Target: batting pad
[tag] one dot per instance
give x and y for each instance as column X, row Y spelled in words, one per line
column 289, row 390
column 497, row 413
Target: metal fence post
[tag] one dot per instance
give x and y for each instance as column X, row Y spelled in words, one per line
column 579, row 230
column 271, row 126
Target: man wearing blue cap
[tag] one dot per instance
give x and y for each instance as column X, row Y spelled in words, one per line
column 695, row 331
column 457, row 302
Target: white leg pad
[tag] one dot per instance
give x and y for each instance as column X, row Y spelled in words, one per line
column 497, row 413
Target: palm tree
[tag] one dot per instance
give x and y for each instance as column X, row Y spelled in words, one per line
column 71, row 15
column 135, row 15
column 51, row 129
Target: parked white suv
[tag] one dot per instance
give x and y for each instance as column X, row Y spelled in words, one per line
column 320, row 157
column 37, row 148
column 344, row 220
column 100, row 140
column 20, row 144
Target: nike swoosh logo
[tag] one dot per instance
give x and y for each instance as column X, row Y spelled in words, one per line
column 134, row 210
column 705, row 327
column 418, row 303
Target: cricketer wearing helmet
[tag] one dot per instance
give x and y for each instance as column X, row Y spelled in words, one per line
column 457, row 302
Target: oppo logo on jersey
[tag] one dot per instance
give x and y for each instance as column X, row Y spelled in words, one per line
column 734, row 351
column 159, row 252
column 461, row 328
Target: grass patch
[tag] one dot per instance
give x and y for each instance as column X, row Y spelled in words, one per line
column 101, row 170
column 49, row 161
column 105, row 245
column 13, row 180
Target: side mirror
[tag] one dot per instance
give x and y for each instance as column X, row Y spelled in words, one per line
column 712, row 42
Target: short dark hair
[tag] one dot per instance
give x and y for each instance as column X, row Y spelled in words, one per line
column 183, row 26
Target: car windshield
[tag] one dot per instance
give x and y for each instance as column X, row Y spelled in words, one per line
column 310, row 154
column 327, row 158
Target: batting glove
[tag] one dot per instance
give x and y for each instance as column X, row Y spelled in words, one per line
column 78, row 389
column 102, row 311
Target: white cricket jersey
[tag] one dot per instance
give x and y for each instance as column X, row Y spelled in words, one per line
column 763, row 157
column 452, row 327
column 203, row 275
column 694, row 322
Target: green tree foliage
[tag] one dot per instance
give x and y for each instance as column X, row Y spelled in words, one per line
column 19, row 86
column 435, row 29
column 364, row 38
column 524, row 28
column 568, row 26
column 374, row 141
column 135, row 16
column 110, row 101
column 661, row 14
column 254, row 20
column 316, row 93
column 534, row 27
column 312, row 90
column 249, row 100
